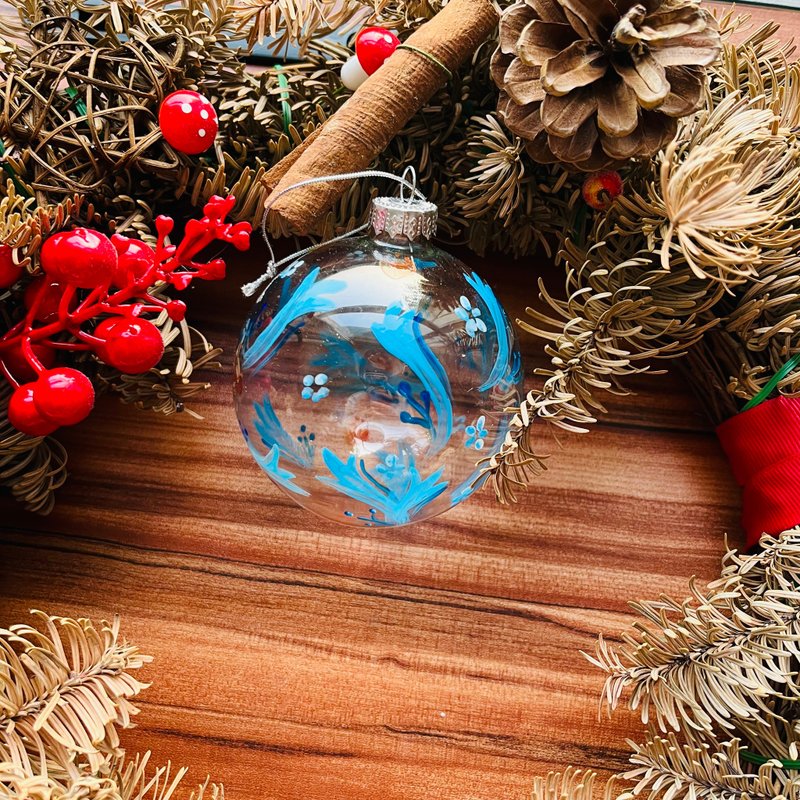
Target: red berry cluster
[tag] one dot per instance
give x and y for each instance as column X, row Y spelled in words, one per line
column 91, row 297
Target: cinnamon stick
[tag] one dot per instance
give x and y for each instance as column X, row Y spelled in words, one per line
column 273, row 176
column 363, row 127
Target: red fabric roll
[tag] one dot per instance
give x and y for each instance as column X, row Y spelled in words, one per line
column 763, row 447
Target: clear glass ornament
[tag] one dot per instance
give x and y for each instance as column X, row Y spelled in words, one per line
column 373, row 375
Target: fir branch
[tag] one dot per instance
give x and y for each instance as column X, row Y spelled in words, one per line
column 623, row 312
column 705, row 662
column 120, row 780
column 64, row 690
column 721, row 669
column 723, row 660
column 297, row 22
column 695, row 770
column 572, row 784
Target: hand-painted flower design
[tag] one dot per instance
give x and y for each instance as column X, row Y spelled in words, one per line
column 291, row 269
column 476, row 433
column 389, row 466
column 471, row 315
column 315, row 394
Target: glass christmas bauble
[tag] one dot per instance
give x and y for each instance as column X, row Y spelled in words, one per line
column 373, row 375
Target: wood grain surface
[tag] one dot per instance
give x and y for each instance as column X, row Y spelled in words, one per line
column 299, row 659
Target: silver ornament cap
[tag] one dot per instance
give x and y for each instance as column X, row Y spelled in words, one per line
column 409, row 218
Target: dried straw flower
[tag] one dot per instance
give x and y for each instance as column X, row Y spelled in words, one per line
column 726, row 191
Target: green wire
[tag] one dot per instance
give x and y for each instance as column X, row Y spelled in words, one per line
column 286, row 109
column 80, row 106
column 9, row 170
column 790, row 365
column 755, row 758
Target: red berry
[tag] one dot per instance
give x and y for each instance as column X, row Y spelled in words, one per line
column 240, row 235
column 373, row 47
column 188, row 121
column 131, row 345
column 51, row 292
column 82, row 257
column 601, row 189
column 25, row 416
column 214, row 270
column 63, row 395
column 9, row 271
column 134, row 259
column 176, row 310
column 18, row 365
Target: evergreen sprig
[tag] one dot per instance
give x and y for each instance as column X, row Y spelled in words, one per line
column 65, row 688
column 715, row 680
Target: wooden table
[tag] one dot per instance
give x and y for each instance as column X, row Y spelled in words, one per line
column 298, row 659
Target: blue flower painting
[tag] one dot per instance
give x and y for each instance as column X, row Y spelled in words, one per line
column 472, row 317
column 476, row 434
column 314, row 387
column 502, row 363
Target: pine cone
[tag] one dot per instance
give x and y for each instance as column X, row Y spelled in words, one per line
column 593, row 82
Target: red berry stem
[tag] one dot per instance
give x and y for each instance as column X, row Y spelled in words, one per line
column 30, row 356
column 86, row 260
column 64, row 304
column 56, row 345
column 91, row 342
column 90, row 299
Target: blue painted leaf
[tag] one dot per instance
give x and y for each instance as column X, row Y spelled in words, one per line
column 273, row 435
column 400, row 335
column 270, row 464
column 502, row 363
column 400, row 494
column 309, row 297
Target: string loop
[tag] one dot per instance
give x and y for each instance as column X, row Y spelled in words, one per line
column 409, row 183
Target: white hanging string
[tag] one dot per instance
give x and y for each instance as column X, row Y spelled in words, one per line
column 407, row 181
